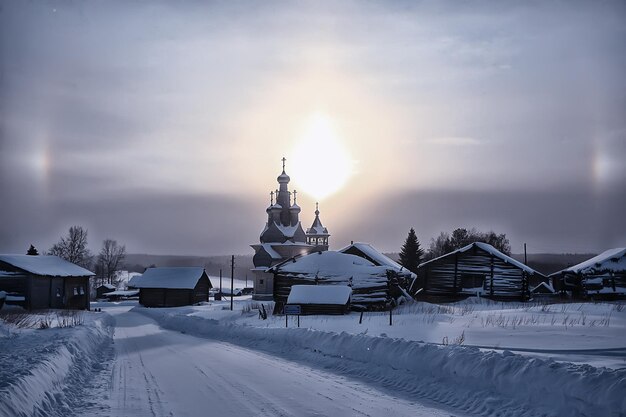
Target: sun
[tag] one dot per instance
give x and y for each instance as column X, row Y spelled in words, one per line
column 321, row 164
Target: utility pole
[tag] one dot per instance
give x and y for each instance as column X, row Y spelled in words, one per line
column 232, row 280
column 525, row 257
column 220, row 283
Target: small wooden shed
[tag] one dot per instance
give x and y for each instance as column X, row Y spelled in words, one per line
column 476, row 269
column 321, row 299
column 103, row 289
column 601, row 277
column 38, row 282
column 173, row 286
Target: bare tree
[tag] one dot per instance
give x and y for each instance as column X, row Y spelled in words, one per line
column 73, row 247
column 110, row 259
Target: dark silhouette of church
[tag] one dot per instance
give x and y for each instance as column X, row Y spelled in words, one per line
column 283, row 236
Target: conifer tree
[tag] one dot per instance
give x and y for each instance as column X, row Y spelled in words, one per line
column 32, row 251
column 411, row 253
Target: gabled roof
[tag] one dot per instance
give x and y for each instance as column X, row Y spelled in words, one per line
column 612, row 260
column 46, row 265
column 376, row 257
column 319, row 294
column 109, row 286
column 170, row 277
column 491, row 250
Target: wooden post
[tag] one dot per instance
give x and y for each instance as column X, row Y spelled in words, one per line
column 391, row 316
column 232, row 280
column 525, row 257
column 220, row 283
column 491, row 289
column 298, row 320
column 456, row 266
column 286, row 320
column 361, row 318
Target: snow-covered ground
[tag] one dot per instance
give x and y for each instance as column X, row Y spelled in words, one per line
column 208, row 360
column 53, row 371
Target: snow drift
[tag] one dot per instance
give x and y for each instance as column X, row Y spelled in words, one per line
column 48, row 372
column 467, row 379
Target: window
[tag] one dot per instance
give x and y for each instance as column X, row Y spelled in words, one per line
column 260, row 282
column 472, row 281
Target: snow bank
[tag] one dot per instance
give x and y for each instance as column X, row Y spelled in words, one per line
column 48, row 372
column 467, row 379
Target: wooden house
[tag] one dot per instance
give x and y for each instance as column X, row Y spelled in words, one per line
column 367, row 251
column 41, row 282
column 321, row 299
column 173, row 287
column 373, row 287
column 103, row 289
column 477, row 269
column 601, row 277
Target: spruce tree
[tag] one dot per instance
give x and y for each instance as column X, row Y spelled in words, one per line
column 411, row 253
column 32, row 251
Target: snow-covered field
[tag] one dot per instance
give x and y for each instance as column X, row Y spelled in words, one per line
column 549, row 360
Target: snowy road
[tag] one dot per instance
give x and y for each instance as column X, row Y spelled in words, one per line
column 159, row 372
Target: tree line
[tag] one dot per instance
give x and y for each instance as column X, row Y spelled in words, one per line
column 73, row 248
column 411, row 253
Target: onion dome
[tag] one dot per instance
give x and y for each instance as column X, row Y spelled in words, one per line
column 283, row 178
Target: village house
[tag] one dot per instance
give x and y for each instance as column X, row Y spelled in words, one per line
column 39, row 282
column 373, row 287
column 601, row 277
column 173, row 286
column 477, row 269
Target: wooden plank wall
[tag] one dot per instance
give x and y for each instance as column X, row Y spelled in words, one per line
column 443, row 277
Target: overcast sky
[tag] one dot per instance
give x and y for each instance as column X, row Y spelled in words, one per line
column 162, row 125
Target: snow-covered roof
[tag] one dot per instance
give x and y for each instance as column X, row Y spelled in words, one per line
column 378, row 258
column 287, row 231
column 491, row 250
column 319, row 294
column 612, row 260
column 122, row 293
column 330, row 264
column 170, row 277
column 134, row 280
column 46, row 265
column 543, row 285
column 317, row 230
column 109, row 286
column 271, row 252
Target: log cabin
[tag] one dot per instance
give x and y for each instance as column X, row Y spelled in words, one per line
column 477, row 269
column 601, row 277
column 38, row 282
column 173, row 286
column 373, row 287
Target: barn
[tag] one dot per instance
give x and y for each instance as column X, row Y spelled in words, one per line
column 39, row 282
column 601, row 277
column 373, row 287
column 321, row 299
column 476, row 269
column 173, row 286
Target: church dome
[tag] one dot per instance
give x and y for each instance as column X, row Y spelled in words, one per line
column 295, row 207
column 283, row 178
